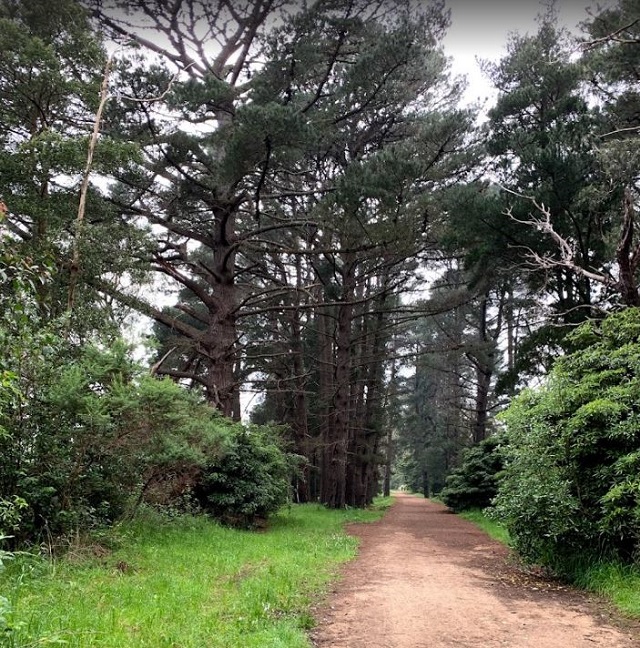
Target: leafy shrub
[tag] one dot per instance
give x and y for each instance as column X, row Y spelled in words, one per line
column 251, row 479
column 67, row 473
column 571, row 484
column 96, row 437
column 475, row 482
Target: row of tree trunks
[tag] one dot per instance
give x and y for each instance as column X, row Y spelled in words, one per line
column 336, row 439
column 371, row 363
column 351, row 464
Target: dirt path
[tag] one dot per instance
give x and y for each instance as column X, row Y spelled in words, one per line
column 428, row 579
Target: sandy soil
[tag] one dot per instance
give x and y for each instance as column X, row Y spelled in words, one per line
column 427, row 579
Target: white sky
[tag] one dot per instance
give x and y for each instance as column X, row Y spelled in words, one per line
column 481, row 30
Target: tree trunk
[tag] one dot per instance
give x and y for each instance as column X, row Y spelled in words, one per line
column 390, row 423
column 628, row 255
column 300, row 423
column 325, row 389
column 386, row 487
column 219, row 342
column 483, row 377
column 484, row 372
column 336, row 442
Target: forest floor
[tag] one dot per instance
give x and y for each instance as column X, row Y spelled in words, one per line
column 425, row 578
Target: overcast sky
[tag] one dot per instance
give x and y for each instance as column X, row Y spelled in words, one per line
column 481, row 29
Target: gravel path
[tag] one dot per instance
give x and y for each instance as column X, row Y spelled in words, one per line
column 427, row 579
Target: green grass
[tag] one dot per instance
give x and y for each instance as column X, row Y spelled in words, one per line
column 186, row 583
column 618, row 583
column 489, row 526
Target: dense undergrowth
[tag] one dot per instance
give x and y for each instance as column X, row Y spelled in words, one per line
column 186, row 582
column 562, row 474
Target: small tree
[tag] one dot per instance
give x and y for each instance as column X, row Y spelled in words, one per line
column 474, row 483
column 250, row 480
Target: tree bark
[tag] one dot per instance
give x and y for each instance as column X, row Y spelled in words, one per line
column 484, row 371
column 628, row 255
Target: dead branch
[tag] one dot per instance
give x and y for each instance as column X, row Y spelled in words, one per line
column 627, row 254
column 564, row 247
column 621, row 131
column 153, row 370
column 84, row 188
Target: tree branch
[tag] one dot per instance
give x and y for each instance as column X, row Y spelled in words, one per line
column 84, row 188
column 613, row 36
column 144, row 307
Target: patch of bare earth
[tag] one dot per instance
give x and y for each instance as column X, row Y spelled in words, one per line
column 427, row 579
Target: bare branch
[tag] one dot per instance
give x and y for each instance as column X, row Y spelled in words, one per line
column 186, row 375
column 627, row 255
column 161, row 96
column 144, row 307
column 564, row 247
column 153, row 370
column 84, row 188
column 620, row 131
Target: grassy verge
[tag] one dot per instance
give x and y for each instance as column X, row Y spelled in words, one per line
column 489, row 526
column 618, row 583
column 185, row 583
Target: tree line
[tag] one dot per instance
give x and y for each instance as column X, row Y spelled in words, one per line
column 296, row 198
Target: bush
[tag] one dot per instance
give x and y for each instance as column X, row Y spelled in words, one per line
column 96, row 437
column 252, row 478
column 93, row 436
column 474, row 483
column 571, row 484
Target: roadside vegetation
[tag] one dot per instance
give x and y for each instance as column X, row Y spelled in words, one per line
column 186, row 581
column 565, row 468
column 490, row 526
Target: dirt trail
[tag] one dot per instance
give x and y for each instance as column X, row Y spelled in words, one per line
column 427, row 579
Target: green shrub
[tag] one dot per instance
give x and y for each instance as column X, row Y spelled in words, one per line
column 252, row 478
column 96, row 437
column 572, row 479
column 6, row 608
column 474, row 483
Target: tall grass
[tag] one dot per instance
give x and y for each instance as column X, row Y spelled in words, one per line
column 617, row 582
column 185, row 583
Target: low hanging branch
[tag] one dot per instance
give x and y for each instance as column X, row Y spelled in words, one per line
column 627, row 253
